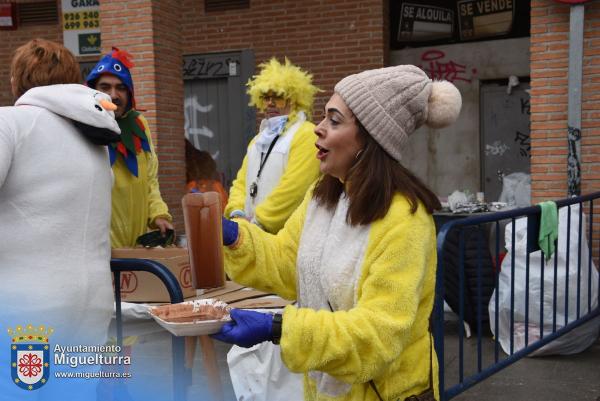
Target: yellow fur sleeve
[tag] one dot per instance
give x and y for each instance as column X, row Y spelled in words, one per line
column 267, row 261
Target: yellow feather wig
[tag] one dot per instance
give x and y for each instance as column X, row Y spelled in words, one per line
column 286, row 80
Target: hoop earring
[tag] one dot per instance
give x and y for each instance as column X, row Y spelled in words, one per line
column 358, row 154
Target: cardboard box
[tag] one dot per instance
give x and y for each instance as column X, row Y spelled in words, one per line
column 146, row 287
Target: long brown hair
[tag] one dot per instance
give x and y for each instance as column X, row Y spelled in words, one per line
column 373, row 181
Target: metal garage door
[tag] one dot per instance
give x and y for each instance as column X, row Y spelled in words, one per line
column 217, row 116
column 506, row 146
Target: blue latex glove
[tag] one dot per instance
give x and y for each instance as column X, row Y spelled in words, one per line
column 230, row 231
column 247, row 329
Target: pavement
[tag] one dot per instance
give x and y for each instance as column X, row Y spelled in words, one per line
column 549, row 378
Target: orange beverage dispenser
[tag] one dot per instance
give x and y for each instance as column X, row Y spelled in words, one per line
column 202, row 215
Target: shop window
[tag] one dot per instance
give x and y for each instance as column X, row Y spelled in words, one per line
column 423, row 23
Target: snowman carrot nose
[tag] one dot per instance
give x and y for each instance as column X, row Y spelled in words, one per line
column 107, row 105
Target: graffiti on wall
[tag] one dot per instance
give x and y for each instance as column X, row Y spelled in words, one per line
column 525, row 109
column 574, row 161
column 524, row 144
column 523, row 139
column 194, row 132
column 496, row 149
column 198, row 67
column 436, row 67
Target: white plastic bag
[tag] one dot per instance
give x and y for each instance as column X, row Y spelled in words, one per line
column 516, row 190
column 576, row 340
column 258, row 374
column 456, row 199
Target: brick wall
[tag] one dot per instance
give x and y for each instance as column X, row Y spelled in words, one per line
column 150, row 31
column 331, row 39
column 10, row 40
column 549, row 104
column 549, row 99
column 169, row 102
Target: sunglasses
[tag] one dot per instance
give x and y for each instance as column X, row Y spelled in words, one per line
column 278, row 100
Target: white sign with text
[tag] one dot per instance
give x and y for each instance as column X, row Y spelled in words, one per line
column 81, row 26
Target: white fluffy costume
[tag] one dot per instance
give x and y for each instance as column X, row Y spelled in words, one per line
column 55, row 187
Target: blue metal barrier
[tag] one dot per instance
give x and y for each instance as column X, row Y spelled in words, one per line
column 457, row 230
column 181, row 375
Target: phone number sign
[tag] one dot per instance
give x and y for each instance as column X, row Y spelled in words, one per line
column 81, row 27
column 81, row 20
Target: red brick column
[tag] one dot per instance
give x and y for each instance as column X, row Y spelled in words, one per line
column 150, row 31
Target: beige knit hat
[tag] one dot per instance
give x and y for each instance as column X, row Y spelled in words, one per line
column 391, row 103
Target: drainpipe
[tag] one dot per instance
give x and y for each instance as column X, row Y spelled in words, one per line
column 576, row 22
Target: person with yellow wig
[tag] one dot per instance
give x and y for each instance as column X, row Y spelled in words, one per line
column 279, row 165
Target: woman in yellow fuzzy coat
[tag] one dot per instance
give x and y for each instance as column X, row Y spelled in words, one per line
column 358, row 253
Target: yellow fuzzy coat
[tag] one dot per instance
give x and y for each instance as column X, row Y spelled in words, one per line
column 384, row 337
column 136, row 201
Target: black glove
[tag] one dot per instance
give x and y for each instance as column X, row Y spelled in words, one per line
column 154, row 238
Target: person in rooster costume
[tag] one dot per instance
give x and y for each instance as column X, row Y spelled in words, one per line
column 136, row 201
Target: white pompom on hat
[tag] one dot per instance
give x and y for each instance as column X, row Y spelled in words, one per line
column 392, row 102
